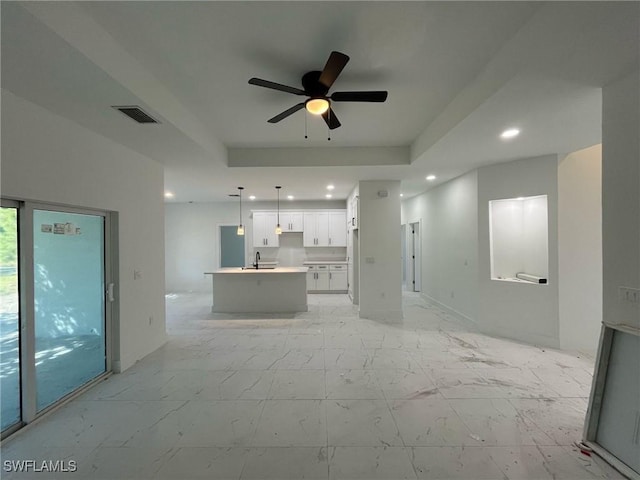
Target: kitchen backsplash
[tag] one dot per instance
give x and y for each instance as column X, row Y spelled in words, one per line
column 291, row 253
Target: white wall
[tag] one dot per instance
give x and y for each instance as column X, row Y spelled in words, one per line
column 621, row 265
column 448, row 216
column 193, row 244
column 621, row 198
column 521, row 311
column 580, row 249
column 51, row 159
column 380, row 254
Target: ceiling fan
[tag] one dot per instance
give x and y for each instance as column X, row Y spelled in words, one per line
column 316, row 85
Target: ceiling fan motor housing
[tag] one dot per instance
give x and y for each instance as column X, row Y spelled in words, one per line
column 312, row 85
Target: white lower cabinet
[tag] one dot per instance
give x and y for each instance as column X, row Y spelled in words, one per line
column 327, row 278
column 318, row 278
column 338, row 280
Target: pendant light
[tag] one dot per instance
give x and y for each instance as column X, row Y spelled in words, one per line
column 278, row 229
column 240, row 226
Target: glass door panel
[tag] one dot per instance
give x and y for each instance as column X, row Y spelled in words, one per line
column 69, row 305
column 9, row 319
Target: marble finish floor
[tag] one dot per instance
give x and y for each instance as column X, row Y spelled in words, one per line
column 324, row 395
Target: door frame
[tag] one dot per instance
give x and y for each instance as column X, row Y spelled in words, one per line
column 412, row 263
column 26, row 287
column 218, row 240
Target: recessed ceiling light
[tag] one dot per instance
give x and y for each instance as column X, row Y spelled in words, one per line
column 328, row 195
column 168, row 195
column 510, row 133
column 431, row 178
column 520, row 198
column 330, row 187
column 252, row 197
column 402, row 194
column 290, row 197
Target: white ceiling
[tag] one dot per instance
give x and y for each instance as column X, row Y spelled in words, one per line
column 457, row 73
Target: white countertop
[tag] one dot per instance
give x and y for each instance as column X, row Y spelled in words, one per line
column 253, row 271
column 325, row 262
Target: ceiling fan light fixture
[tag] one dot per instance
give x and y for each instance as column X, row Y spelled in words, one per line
column 317, row 106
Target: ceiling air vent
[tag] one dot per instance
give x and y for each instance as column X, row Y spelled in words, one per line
column 136, row 113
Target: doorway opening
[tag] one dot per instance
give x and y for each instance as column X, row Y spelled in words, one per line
column 231, row 247
column 413, row 263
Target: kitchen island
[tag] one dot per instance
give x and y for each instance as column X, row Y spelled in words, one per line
column 250, row 290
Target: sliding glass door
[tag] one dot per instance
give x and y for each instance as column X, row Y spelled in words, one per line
column 53, row 306
column 68, row 257
column 9, row 318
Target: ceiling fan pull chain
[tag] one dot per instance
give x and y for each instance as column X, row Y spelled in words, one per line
column 329, row 128
column 305, row 124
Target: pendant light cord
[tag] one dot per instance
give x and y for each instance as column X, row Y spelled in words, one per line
column 278, row 190
column 240, row 190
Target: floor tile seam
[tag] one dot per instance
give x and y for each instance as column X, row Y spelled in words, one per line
column 469, row 432
column 393, row 417
column 399, row 433
column 255, row 429
column 326, row 414
column 166, row 459
column 424, row 370
column 466, row 397
column 551, row 386
column 485, row 373
column 523, row 413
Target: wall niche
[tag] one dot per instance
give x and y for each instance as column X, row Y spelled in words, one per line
column 519, row 239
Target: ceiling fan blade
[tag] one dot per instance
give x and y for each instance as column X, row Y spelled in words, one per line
column 372, row 96
column 330, row 119
column 332, row 69
column 275, row 86
column 286, row 113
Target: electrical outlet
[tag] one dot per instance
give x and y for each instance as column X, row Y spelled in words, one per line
column 137, row 274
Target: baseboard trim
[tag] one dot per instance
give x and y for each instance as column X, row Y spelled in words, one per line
column 460, row 316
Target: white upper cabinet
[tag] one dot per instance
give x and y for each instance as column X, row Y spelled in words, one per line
column 310, row 232
column 325, row 229
column 338, row 229
column 320, row 228
column 291, row 221
column 264, row 229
